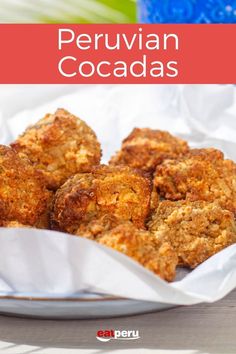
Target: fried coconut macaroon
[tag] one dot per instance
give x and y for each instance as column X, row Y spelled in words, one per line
column 23, row 195
column 197, row 230
column 202, row 174
column 146, row 148
column 153, row 254
column 60, row 145
column 97, row 226
column 114, row 190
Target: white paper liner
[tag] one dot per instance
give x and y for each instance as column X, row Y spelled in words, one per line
column 47, row 263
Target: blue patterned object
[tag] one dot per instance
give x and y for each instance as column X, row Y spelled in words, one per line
column 187, row 11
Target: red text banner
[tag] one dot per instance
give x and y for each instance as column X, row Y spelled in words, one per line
column 117, row 54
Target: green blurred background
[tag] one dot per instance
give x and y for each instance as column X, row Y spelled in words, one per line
column 67, row 11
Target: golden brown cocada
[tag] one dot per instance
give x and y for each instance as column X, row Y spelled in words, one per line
column 196, row 230
column 146, row 148
column 119, row 191
column 23, row 195
column 142, row 246
column 202, row 174
column 59, row 145
column 94, row 228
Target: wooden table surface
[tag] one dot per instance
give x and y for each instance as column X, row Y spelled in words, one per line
column 197, row 329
